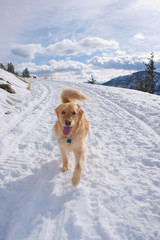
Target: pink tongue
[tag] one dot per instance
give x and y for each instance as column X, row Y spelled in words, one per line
column 66, row 130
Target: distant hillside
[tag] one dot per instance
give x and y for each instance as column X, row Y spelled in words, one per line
column 132, row 81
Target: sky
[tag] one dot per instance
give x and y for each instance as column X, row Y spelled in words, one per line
column 74, row 39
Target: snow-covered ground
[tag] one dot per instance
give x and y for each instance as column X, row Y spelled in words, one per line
column 119, row 194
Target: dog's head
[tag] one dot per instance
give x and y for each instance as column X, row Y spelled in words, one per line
column 69, row 116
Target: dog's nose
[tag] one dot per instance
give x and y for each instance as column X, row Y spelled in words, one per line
column 68, row 122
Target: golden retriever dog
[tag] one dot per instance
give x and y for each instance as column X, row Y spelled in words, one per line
column 70, row 130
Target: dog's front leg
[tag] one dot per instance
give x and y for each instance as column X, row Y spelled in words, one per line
column 65, row 160
column 80, row 158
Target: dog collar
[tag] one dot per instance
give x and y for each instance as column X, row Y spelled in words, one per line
column 69, row 140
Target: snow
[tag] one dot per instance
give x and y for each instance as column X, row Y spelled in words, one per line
column 9, row 101
column 119, row 194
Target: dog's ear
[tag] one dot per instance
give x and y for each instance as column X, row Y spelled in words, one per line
column 57, row 110
column 80, row 111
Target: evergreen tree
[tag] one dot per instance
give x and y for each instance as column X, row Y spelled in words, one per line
column 149, row 84
column 2, row 66
column 92, row 80
column 26, row 73
column 10, row 68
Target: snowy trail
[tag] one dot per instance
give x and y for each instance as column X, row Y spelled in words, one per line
column 119, row 195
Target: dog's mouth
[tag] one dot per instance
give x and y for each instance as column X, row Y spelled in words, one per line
column 67, row 131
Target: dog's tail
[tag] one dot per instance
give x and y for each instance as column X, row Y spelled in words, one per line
column 70, row 95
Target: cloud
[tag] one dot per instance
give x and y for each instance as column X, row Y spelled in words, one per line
column 55, row 67
column 67, row 66
column 102, row 67
column 71, row 70
column 60, row 70
column 60, row 19
column 118, row 62
column 63, row 48
column 138, row 36
column 86, row 46
column 26, row 51
column 93, row 44
column 33, row 68
column 66, row 47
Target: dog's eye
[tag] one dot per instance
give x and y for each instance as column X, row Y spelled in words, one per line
column 63, row 112
column 73, row 113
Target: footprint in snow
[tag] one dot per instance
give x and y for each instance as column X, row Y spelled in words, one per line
column 48, row 146
column 22, row 146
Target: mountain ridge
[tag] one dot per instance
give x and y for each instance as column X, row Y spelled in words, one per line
column 131, row 81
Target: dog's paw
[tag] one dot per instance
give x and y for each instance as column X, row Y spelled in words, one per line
column 65, row 168
column 75, row 180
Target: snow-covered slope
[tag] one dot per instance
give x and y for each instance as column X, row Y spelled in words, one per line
column 119, row 194
column 9, row 101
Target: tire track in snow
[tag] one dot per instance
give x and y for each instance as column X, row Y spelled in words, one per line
column 22, row 140
column 129, row 113
column 146, row 125
column 23, row 121
column 141, row 129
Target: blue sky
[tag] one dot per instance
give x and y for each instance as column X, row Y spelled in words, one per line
column 74, row 39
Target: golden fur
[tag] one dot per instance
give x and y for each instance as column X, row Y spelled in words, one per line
column 73, row 126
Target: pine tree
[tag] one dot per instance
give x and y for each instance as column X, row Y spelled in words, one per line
column 10, row 68
column 25, row 73
column 92, row 80
column 2, row 66
column 149, row 84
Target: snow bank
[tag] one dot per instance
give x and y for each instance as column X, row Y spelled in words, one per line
column 11, row 104
column 9, row 100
